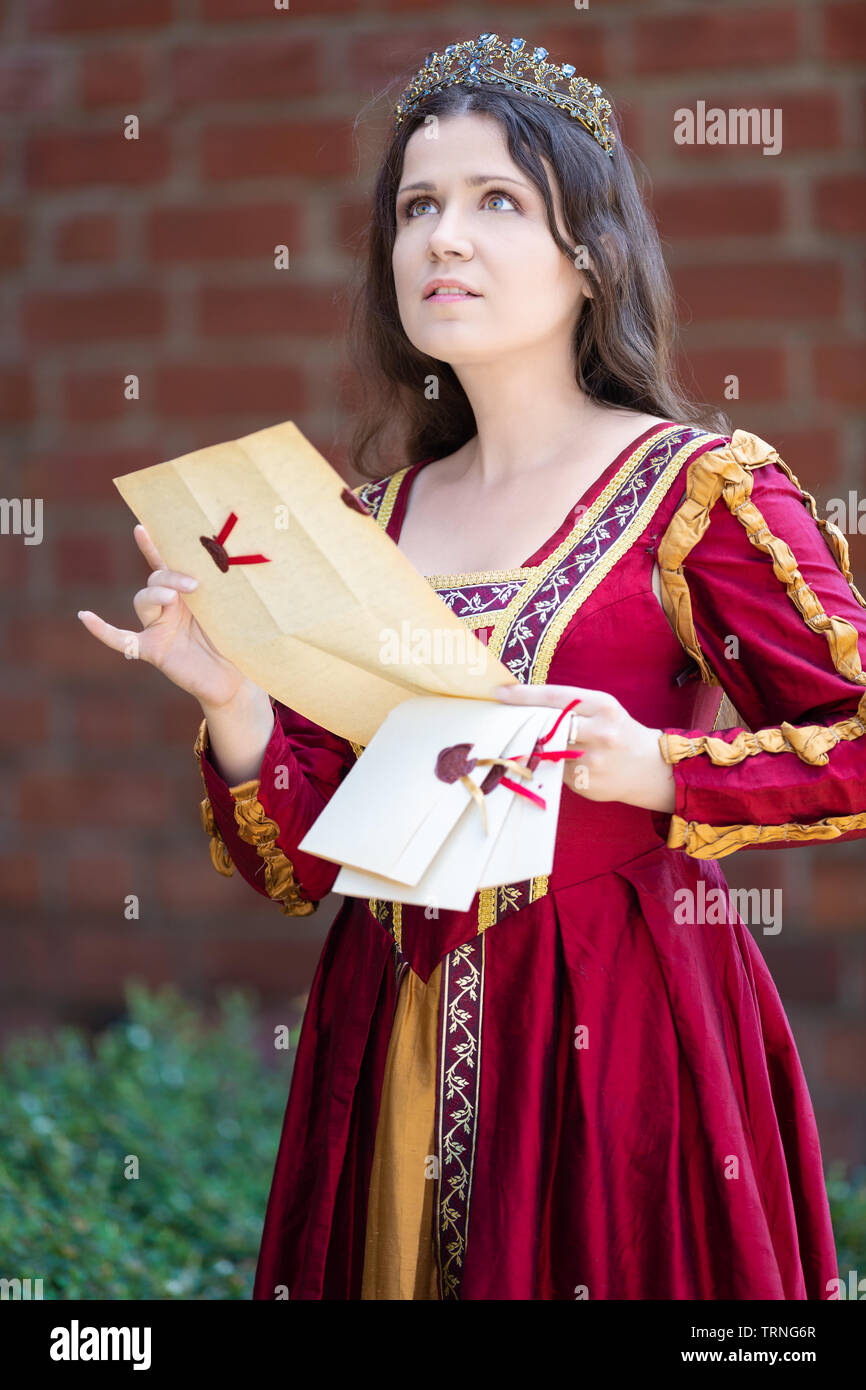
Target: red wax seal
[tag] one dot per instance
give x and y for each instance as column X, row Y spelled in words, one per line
column 454, row 762
column 353, row 501
column 493, row 778
column 216, row 552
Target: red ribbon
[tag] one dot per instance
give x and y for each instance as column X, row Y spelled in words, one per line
column 216, row 549
column 536, row 757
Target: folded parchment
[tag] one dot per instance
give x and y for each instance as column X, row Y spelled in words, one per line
column 302, row 591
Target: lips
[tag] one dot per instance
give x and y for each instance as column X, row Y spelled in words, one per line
column 448, row 287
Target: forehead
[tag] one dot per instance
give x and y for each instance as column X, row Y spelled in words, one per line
column 456, row 142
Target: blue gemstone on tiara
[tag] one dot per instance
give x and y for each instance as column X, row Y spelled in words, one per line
column 568, row 70
column 539, row 54
column 517, row 44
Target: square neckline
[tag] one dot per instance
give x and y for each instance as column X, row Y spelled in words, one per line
column 542, row 553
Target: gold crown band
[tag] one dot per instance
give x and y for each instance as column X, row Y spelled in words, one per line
column 486, row 59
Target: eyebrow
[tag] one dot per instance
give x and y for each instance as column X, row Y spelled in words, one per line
column 471, row 179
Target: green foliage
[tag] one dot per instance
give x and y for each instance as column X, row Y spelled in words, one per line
column 196, row 1106
column 848, row 1212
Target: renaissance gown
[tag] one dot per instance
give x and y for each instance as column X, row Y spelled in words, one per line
column 576, row 1089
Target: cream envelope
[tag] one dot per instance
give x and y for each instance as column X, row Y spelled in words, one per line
column 420, row 846
column 304, row 593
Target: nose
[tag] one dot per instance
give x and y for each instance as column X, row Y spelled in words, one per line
column 448, row 237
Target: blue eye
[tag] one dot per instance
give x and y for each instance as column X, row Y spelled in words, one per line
column 408, row 210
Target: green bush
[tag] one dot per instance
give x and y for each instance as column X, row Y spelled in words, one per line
column 195, row 1105
column 202, row 1114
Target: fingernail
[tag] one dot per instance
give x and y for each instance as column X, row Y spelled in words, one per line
column 189, row 583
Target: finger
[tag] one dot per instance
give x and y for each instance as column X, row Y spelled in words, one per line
column 147, row 547
column 589, row 701
column 149, row 603
column 118, row 638
column 174, row 579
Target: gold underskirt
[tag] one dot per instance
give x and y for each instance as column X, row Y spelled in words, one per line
column 399, row 1259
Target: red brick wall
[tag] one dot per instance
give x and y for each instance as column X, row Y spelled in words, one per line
column 155, row 257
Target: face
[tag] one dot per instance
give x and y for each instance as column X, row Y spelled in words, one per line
column 491, row 236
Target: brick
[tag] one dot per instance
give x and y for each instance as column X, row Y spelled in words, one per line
column 130, row 797
column 100, row 882
column 24, row 720
column 844, row 32
column 83, row 558
column 93, row 396
column 192, row 390
column 82, row 475
column 76, row 159
column 240, row 231
column 254, row 9
column 304, row 309
column 277, row 149
column 716, row 39
column 186, row 881
column 845, row 1053
column 12, row 240
column 61, row 645
column 716, row 210
column 797, row 289
column 114, row 720
column 814, row 455
column 16, row 395
column 257, row 71
column 262, row 964
column 762, row 373
column 88, row 236
column 811, row 120
column 838, row 888
column 112, row 77
column 839, row 371
column 19, row 888
column 29, row 81
column 839, row 204
column 806, row 972
column 61, row 17
column 87, row 316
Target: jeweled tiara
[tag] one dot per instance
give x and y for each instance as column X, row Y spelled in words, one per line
column 486, row 59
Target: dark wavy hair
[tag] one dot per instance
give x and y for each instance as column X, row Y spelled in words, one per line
column 625, row 337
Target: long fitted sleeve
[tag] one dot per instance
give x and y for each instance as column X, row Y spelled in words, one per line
column 256, row 826
column 759, row 590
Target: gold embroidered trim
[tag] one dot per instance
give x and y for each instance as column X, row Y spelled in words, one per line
column 727, row 472
column 257, row 829
column 717, row 841
column 219, row 852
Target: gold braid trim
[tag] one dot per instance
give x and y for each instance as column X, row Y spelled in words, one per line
column 219, row 853
column 717, row 841
column 257, row 829
column 727, row 472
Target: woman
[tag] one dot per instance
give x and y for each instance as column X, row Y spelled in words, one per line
column 585, row 1086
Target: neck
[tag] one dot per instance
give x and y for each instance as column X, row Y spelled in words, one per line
column 530, row 415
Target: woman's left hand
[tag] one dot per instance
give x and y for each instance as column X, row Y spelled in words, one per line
column 622, row 758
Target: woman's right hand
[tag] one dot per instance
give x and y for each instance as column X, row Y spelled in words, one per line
column 171, row 639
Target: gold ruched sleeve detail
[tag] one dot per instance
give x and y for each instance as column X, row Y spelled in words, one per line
column 259, row 830
column 219, row 853
column 727, row 472
column 717, row 841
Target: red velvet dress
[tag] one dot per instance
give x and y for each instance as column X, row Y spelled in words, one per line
column 634, row 1121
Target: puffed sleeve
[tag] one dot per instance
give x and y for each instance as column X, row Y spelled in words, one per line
column 760, row 593
column 256, row 825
